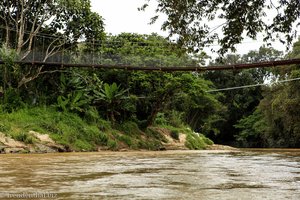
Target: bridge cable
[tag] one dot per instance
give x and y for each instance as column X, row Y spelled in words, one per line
column 254, row 85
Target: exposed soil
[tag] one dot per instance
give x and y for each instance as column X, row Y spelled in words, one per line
column 220, row 147
column 171, row 143
column 44, row 144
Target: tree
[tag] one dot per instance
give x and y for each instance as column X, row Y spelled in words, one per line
column 184, row 93
column 156, row 91
column 253, row 129
column 146, row 50
column 46, row 26
column 27, row 19
column 276, row 121
column 263, row 54
column 280, row 107
column 240, row 103
column 112, row 97
column 200, row 109
column 189, row 20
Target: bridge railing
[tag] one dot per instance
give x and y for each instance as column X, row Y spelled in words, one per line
column 98, row 58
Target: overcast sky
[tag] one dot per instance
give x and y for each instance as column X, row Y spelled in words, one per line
column 123, row 16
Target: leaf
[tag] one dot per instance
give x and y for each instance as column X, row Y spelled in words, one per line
column 62, row 102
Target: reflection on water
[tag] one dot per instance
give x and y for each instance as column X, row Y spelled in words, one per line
column 155, row 175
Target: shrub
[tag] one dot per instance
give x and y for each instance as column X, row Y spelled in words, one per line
column 126, row 139
column 130, row 128
column 142, row 125
column 175, row 134
column 207, row 140
column 104, row 125
column 151, row 144
column 112, row 144
column 4, row 128
column 152, row 133
column 81, row 145
column 91, row 115
column 195, row 142
column 160, row 119
column 175, row 118
column 12, row 100
column 23, row 137
column 103, row 138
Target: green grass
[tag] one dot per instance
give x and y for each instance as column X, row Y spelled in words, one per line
column 77, row 134
column 74, row 132
column 197, row 141
column 131, row 135
column 153, row 133
column 130, row 128
column 207, row 140
column 194, row 141
column 23, row 137
column 4, row 128
column 65, row 128
column 112, row 144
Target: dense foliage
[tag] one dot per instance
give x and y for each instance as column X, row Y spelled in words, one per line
column 275, row 121
column 84, row 108
column 242, row 102
column 120, row 97
column 190, row 20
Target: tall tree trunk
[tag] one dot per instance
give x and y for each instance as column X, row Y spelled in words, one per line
column 112, row 118
column 21, row 35
column 7, row 36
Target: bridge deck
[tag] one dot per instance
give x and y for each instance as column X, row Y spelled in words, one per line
column 167, row 69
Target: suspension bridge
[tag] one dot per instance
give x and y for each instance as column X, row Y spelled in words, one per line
column 48, row 51
column 156, row 68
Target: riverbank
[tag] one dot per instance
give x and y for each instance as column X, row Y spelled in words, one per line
column 44, row 130
column 43, row 143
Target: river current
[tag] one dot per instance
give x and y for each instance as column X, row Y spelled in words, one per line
column 208, row 175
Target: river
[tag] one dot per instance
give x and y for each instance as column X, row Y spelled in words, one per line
column 245, row 174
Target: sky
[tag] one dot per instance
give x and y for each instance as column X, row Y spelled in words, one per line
column 123, row 16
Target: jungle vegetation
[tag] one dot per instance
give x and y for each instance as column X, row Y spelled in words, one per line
column 83, row 107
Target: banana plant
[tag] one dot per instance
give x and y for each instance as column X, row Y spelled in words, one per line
column 112, row 96
column 75, row 101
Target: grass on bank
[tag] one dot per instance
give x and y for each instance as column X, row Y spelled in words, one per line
column 173, row 122
column 73, row 132
column 194, row 141
column 78, row 134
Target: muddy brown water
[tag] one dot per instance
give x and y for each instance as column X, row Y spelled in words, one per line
column 246, row 174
